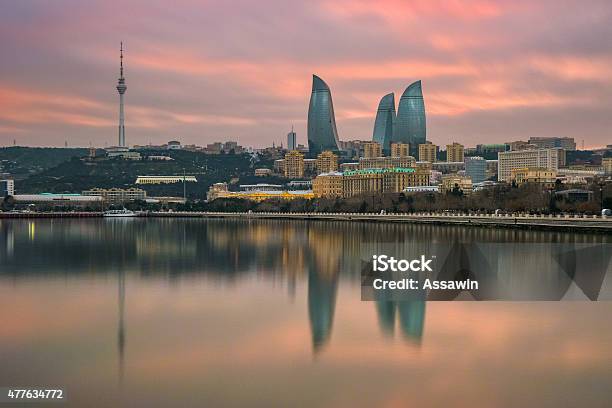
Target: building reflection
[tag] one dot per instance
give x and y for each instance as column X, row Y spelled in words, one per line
column 321, row 254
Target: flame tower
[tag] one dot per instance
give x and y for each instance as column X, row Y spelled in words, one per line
column 121, row 88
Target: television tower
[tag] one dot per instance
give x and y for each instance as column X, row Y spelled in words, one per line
column 121, row 88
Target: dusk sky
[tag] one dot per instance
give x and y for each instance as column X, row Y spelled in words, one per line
column 204, row 71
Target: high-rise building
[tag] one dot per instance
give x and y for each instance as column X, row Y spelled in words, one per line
column 428, row 152
column 121, row 88
column 454, row 152
column 566, row 143
column 291, row 140
column 400, row 150
column 385, row 121
column 543, row 158
column 322, row 132
column 294, row 164
column 326, row 162
column 410, row 126
column 476, row 168
column 372, row 149
column 7, row 188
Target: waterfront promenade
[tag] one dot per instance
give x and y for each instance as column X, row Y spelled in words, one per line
column 508, row 220
column 516, row 220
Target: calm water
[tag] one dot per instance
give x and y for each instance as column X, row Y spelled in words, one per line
column 176, row 312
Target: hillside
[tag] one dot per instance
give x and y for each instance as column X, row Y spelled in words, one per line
column 75, row 175
column 22, row 162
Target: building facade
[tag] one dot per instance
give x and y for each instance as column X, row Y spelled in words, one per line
column 539, row 175
column 263, row 172
column 372, row 149
column 164, row 179
column 542, row 158
column 378, row 181
column 428, row 152
column 294, row 164
column 349, row 166
column 410, row 125
column 386, row 162
column 452, row 182
column 400, row 149
column 220, row 190
column 7, row 188
column 566, row 143
column 385, row 121
column 476, row 169
column 322, row 132
column 607, row 165
column 520, row 145
column 117, row 195
column 454, row 152
column 326, row 162
column 328, row 185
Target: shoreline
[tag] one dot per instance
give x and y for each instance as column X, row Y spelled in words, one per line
column 517, row 220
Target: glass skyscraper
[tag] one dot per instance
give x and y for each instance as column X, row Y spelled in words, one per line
column 476, row 169
column 322, row 133
column 410, row 121
column 385, row 121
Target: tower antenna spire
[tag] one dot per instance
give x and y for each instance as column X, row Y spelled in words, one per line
column 121, row 88
column 121, row 60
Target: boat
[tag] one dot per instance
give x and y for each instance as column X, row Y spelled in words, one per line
column 120, row 213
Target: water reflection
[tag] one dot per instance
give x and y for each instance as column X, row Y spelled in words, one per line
column 291, row 251
column 211, row 303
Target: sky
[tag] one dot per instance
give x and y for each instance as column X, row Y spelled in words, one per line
column 204, row 71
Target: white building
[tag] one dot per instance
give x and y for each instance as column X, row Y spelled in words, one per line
column 164, row 179
column 541, row 158
column 173, row 145
column 57, row 199
column 422, row 189
column 7, row 188
column 117, row 195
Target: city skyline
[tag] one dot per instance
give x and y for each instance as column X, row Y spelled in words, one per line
column 494, row 72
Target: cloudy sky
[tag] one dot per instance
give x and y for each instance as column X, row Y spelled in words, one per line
column 202, row 71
